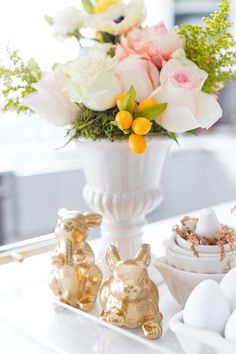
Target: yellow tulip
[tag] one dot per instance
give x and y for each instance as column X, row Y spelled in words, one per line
column 103, row 5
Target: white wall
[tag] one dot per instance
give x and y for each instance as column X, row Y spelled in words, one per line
column 160, row 10
column 22, row 25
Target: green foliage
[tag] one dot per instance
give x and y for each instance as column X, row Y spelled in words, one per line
column 118, row 125
column 128, row 101
column 48, row 19
column 212, row 47
column 152, row 112
column 192, row 132
column 88, row 6
column 105, row 37
column 76, row 34
column 16, row 81
column 111, row 52
column 157, row 129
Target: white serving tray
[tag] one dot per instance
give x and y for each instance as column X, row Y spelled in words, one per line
column 26, row 308
column 197, row 341
column 166, row 344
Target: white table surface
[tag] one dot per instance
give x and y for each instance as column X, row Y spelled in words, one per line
column 30, row 325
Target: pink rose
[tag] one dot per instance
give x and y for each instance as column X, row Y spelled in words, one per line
column 122, row 51
column 155, row 43
column 50, row 101
column 188, row 107
column 140, row 73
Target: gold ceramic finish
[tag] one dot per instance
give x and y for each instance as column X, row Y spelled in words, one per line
column 129, row 298
column 75, row 279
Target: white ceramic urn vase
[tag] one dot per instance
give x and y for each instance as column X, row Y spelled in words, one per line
column 123, row 187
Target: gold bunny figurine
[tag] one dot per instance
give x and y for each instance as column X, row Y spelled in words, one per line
column 75, row 279
column 129, row 297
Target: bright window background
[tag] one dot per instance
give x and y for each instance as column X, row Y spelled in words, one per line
column 23, row 27
column 28, row 142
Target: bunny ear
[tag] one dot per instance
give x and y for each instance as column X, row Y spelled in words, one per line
column 92, row 220
column 143, row 254
column 112, row 257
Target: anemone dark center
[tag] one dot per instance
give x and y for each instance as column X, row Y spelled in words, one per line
column 119, row 19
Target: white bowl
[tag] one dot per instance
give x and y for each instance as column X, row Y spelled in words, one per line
column 200, row 248
column 204, row 265
column 172, row 244
column 180, row 282
column 196, row 341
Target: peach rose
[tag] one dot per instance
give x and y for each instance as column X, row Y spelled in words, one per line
column 140, row 73
column 50, row 101
column 155, row 43
column 188, row 107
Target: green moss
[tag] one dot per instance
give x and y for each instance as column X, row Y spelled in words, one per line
column 212, row 47
column 96, row 125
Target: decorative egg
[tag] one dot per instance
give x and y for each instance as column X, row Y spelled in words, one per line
column 230, row 328
column 228, row 285
column 208, row 224
column 207, row 307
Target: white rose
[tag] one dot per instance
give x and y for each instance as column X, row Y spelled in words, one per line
column 99, row 47
column 181, row 88
column 50, row 101
column 68, row 21
column 92, row 80
column 121, row 18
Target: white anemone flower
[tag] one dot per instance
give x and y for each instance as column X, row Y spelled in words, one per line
column 121, row 18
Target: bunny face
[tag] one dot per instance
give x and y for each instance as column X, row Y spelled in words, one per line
column 130, row 278
column 74, row 226
column 71, row 229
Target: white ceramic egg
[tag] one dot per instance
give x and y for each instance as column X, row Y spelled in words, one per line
column 207, row 307
column 228, row 285
column 207, row 224
column 230, row 328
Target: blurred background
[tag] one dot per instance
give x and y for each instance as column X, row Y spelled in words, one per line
column 38, row 177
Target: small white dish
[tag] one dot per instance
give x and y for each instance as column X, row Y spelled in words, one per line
column 196, row 341
column 200, row 248
column 204, row 265
column 180, row 282
column 173, row 245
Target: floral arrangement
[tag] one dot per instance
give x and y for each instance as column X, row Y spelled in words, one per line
column 133, row 81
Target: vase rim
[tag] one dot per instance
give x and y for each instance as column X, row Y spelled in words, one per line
column 149, row 138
